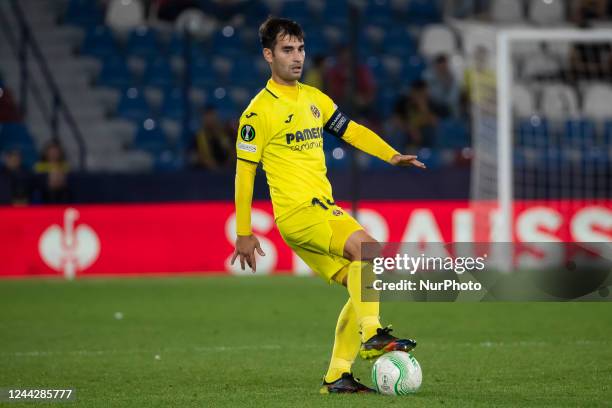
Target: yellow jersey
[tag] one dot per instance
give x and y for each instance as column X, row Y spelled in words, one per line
column 282, row 128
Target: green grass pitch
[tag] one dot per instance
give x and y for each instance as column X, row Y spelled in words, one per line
column 266, row 341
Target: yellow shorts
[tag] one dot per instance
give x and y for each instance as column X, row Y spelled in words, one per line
column 318, row 235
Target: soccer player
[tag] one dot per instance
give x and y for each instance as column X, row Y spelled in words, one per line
column 282, row 128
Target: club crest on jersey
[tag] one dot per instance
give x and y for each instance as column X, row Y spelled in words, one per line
column 315, row 111
column 337, row 212
column 247, row 133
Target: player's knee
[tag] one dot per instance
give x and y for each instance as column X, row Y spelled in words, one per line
column 362, row 247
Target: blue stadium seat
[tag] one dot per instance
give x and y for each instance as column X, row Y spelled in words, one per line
column 607, row 136
column 553, row 157
column 413, row 69
column 115, row 73
column 297, row 11
column 178, row 44
column 15, row 136
column 202, row 73
column 173, row 104
column 150, row 137
column 423, row 12
column 159, row 73
column 316, row 44
column 226, row 42
column 532, row 157
column 432, row 158
column 378, row 12
column 142, row 42
column 330, row 142
column 168, row 161
column 226, row 108
column 83, row 13
column 133, row 105
column 337, row 158
column 533, row 132
column 99, row 42
column 386, row 99
column 336, row 13
column 243, row 76
column 452, row 133
column 596, row 157
column 225, row 77
column 579, row 133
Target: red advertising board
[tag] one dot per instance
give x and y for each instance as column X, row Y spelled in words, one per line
column 175, row 238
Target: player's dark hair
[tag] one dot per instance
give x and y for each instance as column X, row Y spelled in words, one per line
column 273, row 26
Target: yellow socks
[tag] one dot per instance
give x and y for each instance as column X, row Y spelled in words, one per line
column 366, row 312
column 346, row 344
column 356, row 316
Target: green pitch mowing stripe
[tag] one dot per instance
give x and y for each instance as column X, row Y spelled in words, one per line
column 266, row 342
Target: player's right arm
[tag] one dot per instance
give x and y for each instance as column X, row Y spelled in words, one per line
column 249, row 146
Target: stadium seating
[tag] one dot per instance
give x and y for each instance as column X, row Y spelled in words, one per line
column 83, row 13
column 547, row 12
column 397, row 54
column 559, row 102
column 523, row 101
column 596, row 101
column 142, row 42
column 15, row 135
column 437, row 39
column 150, row 137
column 533, row 132
column 173, row 104
column 423, row 12
column 541, row 65
column 133, row 105
column 124, row 15
column 115, row 73
column 579, row 133
column 607, row 135
column 158, row 73
column 99, row 42
column 452, row 133
column 507, row 11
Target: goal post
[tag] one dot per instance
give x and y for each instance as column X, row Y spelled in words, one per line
column 520, row 66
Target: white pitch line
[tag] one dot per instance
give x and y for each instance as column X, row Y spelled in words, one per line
column 483, row 344
column 43, row 353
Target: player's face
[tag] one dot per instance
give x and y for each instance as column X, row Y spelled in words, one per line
column 287, row 59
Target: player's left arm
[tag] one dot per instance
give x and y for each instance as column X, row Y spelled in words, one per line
column 359, row 136
column 369, row 142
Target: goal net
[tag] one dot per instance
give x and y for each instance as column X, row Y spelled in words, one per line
column 541, row 115
column 541, row 110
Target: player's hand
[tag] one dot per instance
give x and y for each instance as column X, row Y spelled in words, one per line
column 405, row 160
column 246, row 245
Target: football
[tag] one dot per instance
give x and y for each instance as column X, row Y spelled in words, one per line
column 397, row 373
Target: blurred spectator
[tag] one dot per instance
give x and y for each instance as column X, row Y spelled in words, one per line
column 316, row 74
column 8, row 108
column 341, row 90
column 443, row 88
column 19, row 178
column 479, row 80
column 214, row 144
column 415, row 117
column 234, row 12
column 54, row 168
column 587, row 10
column 590, row 61
column 466, row 8
column 168, row 10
